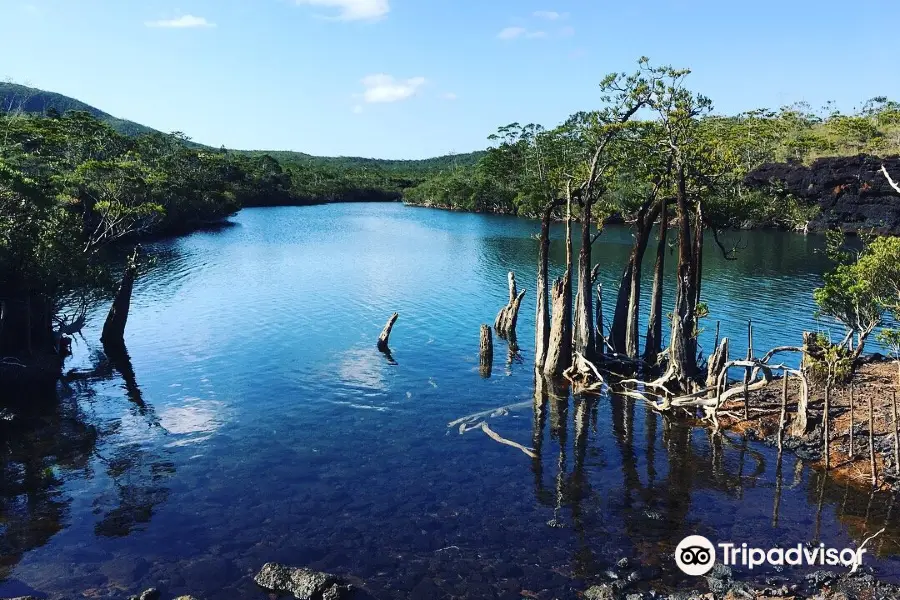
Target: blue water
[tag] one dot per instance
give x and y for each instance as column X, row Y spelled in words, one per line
column 256, row 421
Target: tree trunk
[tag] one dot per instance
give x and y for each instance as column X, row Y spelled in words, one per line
column 642, row 239
column 653, row 346
column 559, row 353
column 620, row 316
column 114, row 327
column 584, row 318
column 542, row 313
column 683, row 344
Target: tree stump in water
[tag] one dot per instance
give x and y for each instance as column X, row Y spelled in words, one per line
column 114, row 327
column 487, row 351
column 505, row 323
column 386, row 333
column 714, row 368
column 559, row 354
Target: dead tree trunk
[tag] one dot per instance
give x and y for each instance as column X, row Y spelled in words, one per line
column 852, row 422
column 714, row 368
column 559, row 353
column 486, row 354
column 826, row 419
column 872, row 444
column 584, row 317
column 782, row 419
column 505, row 323
column 384, row 338
column 114, row 327
column 542, row 313
column 653, row 346
column 896, row 433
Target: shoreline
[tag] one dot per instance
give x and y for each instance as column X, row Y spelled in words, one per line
column 875, row 381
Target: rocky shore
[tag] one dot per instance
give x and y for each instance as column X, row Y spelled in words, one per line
column 624, row 582
column 851, row 192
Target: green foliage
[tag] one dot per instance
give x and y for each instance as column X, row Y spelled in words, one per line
column 862, row 287
column 828, row 362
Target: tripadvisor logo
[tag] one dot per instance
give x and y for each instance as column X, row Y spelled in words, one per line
column 695, row 555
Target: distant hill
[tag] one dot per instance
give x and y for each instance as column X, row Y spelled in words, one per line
column 34, row 101
column 426, row 165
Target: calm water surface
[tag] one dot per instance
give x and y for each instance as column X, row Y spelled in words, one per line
column 256, row 421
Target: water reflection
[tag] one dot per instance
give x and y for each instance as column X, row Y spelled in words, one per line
column 46, row 442
column 51, row 439
column 675, row 480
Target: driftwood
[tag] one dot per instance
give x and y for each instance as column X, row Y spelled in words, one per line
column 384, row 338
column 494, row 436
column 114, row 326
column 505, row 323
column 584, row 375
column 494, row 412
column 487, row 351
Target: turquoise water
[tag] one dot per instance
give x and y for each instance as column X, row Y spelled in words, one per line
column 256, row 421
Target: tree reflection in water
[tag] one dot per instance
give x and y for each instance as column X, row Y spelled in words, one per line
column 51, row 439
column 665, row 471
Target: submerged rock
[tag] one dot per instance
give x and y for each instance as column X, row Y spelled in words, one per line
column 601, row 592
column 303, row 584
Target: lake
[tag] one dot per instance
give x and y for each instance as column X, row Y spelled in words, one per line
column 258, row 422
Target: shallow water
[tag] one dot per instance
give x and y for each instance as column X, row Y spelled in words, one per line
column 256, row 421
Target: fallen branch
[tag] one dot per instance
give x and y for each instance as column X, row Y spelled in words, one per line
column 489, row 413
column 862, row 547
column 494, row 436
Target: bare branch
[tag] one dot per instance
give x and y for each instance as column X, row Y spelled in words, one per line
column 890, row 181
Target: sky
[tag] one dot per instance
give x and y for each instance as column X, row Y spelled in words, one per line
column 422, row 78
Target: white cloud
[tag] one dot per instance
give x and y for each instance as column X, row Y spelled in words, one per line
column 354, row 10
column 385, row 88
column 449, row 96
column 511, row 33
column 184, row 22
column 550, row 15
column 514, row 33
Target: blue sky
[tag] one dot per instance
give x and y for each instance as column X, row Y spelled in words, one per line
column 420, row 78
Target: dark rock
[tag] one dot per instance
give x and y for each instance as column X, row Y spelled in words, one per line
column 304, row 584
column 623, row 563
column 852, row 193
column 185, row 598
